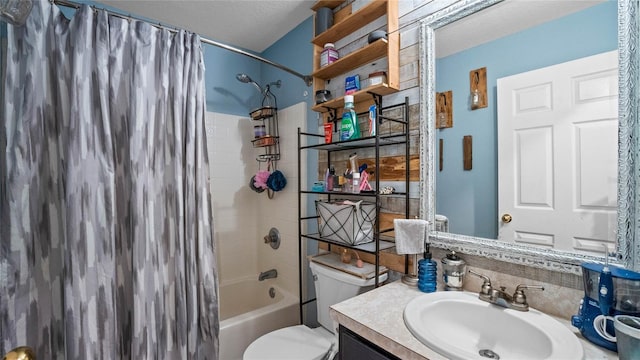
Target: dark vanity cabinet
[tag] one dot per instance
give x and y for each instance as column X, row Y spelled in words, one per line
column 355, row 347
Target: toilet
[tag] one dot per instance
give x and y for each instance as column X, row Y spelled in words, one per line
column 301, row 342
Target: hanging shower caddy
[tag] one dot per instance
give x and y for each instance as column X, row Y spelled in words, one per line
column 266, row 133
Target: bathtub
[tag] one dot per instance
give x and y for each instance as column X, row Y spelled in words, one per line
column 247, row 312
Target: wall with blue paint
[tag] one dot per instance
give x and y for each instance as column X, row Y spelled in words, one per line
column 225, row 94
column 469, row 198
column 295, row 51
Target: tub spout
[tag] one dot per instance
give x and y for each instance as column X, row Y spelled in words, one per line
column 269, row 274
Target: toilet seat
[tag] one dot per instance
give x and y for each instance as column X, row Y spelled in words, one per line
column 294, row 342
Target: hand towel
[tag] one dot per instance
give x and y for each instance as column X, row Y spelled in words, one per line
column 410, row 235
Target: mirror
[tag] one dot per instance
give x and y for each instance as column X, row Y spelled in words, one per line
column 485, row 244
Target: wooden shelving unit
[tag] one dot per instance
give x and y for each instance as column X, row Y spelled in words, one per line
column 383, row 48
column 332, row 4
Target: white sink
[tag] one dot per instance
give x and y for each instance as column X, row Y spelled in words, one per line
column 458, row 325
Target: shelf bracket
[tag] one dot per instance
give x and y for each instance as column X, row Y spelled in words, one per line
column 333, row 117
column 377, row 98
column 333, row 113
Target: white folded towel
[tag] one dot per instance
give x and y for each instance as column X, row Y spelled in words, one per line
column 410, row 235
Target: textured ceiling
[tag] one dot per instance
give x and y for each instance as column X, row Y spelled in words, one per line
column 248, row 24
column 257, row 24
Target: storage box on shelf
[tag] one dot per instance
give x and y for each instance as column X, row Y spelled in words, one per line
column 346, row 23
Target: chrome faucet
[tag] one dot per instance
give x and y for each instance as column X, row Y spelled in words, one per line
column 269, row 274
column 517, row 301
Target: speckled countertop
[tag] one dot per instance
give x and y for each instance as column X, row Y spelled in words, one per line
column 378, row 317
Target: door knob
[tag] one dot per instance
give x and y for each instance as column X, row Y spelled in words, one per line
column 20, row 353
column 506, row 218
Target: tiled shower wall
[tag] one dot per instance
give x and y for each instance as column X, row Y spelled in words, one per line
column 243, row 217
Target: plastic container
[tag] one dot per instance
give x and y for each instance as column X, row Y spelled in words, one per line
column 328, row 55
column 377, row 78
column 373, row 123
column 322, row 96
column 259, row 131
column 453, row 269
column 356, row 183
column 324, row 19
column 328, row 133
column 349, row 129
column 628, row 336
column 427, row 274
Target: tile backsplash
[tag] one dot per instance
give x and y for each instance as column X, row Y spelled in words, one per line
column 562, row 291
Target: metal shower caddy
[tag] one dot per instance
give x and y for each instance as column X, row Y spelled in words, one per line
column 267, row 114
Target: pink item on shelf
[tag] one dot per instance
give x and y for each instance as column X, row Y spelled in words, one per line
column 364, row 182
column 261, row 179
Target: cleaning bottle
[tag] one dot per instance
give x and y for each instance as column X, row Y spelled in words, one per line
column 427, row 272
column 349, row 125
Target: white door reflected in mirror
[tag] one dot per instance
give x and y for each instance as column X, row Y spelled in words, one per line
column 557, row 164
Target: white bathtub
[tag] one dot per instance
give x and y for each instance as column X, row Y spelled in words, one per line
column 248, row 312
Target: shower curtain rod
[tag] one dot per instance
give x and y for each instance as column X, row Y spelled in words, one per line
column 306, row 78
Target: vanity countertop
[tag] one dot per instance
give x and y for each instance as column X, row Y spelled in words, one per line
column 377, row 316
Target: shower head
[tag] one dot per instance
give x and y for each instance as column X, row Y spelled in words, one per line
column 247, row 80
column 243, row 78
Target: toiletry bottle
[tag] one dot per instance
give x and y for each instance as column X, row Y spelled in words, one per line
column 330, row 179
column 327, row 178
column 356, row 183
column 349, row 125
column 328, row 55
column 427, row 273
column 373, row 123
column 345, row 257
column 336, row 181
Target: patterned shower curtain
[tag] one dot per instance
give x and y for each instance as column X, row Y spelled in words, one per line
column 106, row 245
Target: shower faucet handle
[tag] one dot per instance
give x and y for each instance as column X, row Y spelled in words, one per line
column 273, row 238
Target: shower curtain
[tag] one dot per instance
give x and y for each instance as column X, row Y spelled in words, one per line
column 106, row 247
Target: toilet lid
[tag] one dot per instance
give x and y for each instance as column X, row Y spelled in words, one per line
column 294, row 342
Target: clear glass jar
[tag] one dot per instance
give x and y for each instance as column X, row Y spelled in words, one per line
column 328, row 55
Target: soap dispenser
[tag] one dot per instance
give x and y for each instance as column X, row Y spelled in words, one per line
column 427, row 273
column 453, row 270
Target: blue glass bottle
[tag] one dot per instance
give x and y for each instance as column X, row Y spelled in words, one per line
column 427, row 274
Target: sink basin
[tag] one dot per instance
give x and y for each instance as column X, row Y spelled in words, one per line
column 458, row 325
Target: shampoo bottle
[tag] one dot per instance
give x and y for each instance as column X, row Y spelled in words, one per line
column 349, row 125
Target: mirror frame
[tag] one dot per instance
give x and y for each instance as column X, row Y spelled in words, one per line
column 628, row 223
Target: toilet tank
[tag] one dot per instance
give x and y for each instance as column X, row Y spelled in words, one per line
column 333, row 286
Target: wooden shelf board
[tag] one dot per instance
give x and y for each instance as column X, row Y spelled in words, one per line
column 353, row 22
column 361, row 95
column 332, row 4
column 367, row 54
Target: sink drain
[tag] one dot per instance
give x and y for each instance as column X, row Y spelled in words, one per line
column 488, row 354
